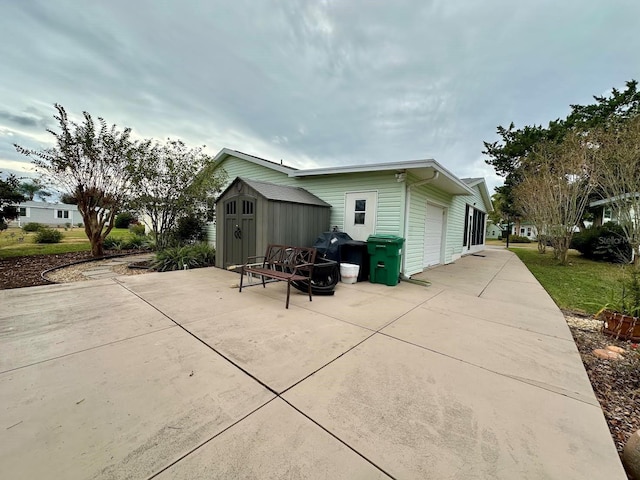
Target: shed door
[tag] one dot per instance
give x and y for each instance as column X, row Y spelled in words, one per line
column 434, row 225
column 239, row 230
column 360, row 214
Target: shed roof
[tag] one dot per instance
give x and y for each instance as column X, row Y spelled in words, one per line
column 280, row 193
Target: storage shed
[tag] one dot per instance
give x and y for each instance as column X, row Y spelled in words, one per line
column 252, row 214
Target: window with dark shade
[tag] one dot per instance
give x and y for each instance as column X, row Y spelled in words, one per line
column 231, row 208
column 360, row 210
column 23, row 211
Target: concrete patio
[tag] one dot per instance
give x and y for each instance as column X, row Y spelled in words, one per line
column 180, row 376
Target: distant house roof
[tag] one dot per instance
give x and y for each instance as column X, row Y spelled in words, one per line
column 47, row 205
column 605, row 201
column 425, row 170
column 472, row 182
column 280, row 193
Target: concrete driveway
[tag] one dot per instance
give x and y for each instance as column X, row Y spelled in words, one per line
column 180, row 376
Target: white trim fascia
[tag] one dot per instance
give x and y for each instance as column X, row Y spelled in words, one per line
column 225, row 152
column 383, row 167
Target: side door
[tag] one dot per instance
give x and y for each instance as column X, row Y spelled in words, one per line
column 239, row 229
column 360, row 214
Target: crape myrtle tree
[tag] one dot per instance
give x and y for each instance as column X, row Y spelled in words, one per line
column 90, row 162
column 507, row 154
column 619, row 175
column 171, row 181
column 556, row 181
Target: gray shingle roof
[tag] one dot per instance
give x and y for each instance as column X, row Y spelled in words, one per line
column 281, row 193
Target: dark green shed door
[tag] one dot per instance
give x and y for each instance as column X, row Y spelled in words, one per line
column 239, row 229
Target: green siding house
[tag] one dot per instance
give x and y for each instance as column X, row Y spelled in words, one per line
column 440, row 216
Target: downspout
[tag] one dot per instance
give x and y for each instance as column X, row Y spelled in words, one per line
column 410, row 187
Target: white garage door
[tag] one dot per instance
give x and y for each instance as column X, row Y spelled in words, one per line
column 434, row 225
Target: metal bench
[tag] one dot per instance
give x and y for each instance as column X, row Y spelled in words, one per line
column 283, row 263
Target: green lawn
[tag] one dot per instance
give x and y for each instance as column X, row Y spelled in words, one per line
column 15, row 243
column 582, row 286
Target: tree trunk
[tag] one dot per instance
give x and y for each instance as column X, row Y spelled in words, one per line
column 542, row 246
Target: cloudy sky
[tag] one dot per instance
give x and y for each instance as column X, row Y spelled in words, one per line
column 314, row 83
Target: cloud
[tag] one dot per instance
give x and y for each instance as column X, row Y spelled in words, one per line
column 313, row 83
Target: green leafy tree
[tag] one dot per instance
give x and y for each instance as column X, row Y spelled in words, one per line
column 90, row 162
column 34, row 188
column 170, row 181
column 10, row 197
column 506, row 155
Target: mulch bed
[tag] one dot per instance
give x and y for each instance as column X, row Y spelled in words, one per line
column 616, row 383
column 18, row 272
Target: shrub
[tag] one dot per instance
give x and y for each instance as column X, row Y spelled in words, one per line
column 111, row 243
column 518, row 239
column 3, row 226
column 124, row 219
column 605, row 243
column 79, row 225
column 188, row 256
column 137, row 228
column 190, row 229
column 48, row 235
column 32, row 227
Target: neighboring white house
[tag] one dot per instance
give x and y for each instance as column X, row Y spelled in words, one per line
column 494, row 232
column 50, row 214
column 525, row 229
column 605, row 210
column 440, row 216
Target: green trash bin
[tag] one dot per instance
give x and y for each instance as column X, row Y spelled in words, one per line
column 384, row 253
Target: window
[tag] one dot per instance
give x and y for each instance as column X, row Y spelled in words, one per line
column 607, row 213
column 466, row 225
column 360, row 209
column 62, row 213
column 247, row 207
column 23, row 211
column 528, row 231
column 522, row 231
column 231, row 208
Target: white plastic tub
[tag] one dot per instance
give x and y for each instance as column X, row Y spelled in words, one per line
column 349, row 272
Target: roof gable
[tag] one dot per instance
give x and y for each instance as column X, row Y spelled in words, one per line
column 278, row 193
column 482, row 187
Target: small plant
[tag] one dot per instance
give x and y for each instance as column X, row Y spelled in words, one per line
column 48, row 235
column 137, row 229
column 3, row 226
column 79, row 224
column 185, row 257
column 32, row 227
column 111, row 243
column 67, row 226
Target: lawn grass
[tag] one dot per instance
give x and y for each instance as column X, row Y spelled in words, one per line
column 582, row 286
column 16, row 243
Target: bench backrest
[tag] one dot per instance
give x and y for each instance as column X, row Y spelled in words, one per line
column 288, row 256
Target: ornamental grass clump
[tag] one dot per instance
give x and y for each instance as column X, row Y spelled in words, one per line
column 184, row 257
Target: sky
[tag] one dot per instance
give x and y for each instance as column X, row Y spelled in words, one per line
column 312, row 83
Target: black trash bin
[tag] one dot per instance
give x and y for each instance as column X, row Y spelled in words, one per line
column 356, row 253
